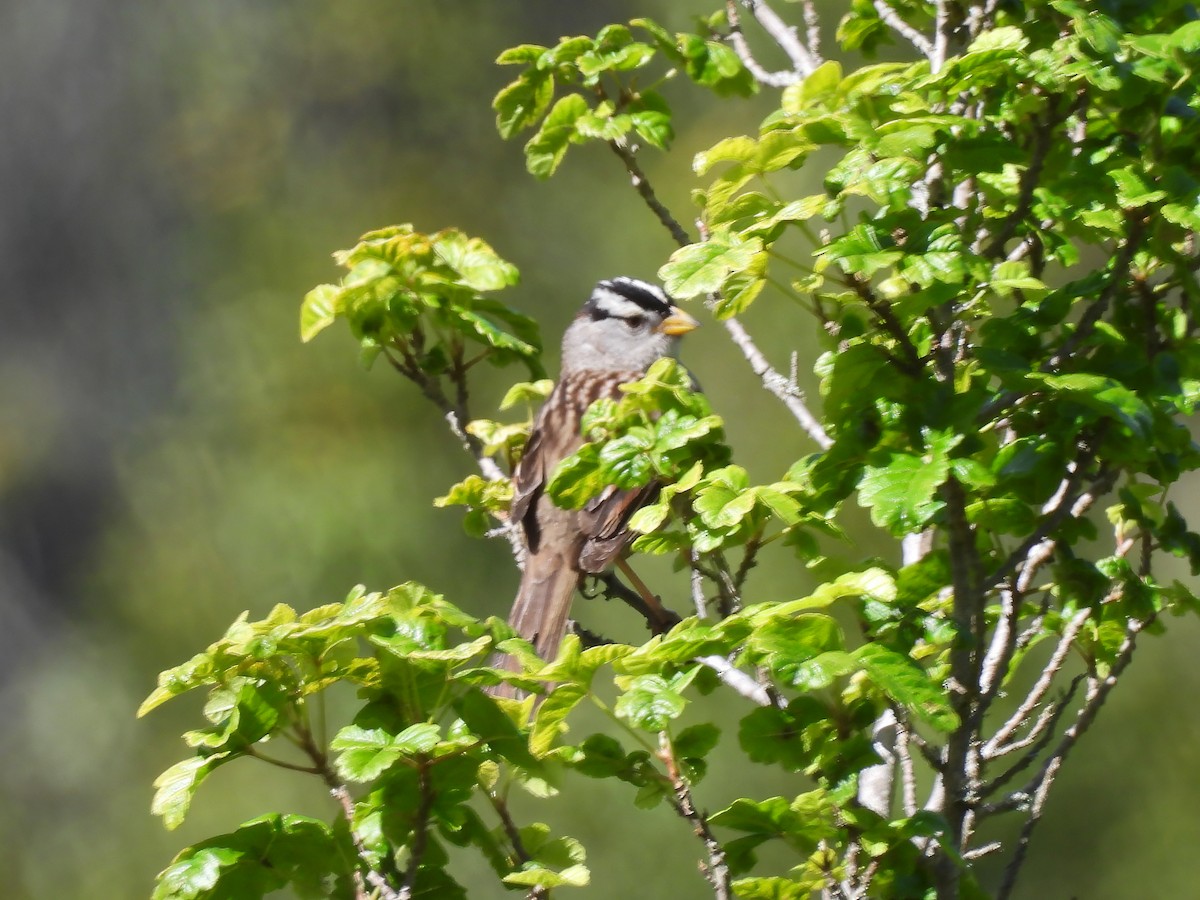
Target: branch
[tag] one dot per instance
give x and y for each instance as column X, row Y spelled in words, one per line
column 1040, row 688
column 1098, row 691
column 514, row 838
column 776, row 383
column 1085, row 326
column 941, row 36
column 699, row 601
column 340, row 793
column 742, row 48
column 1036, row 740
column 1068, row 504
column 741, row 682
column 420, row 831
column 658, row 618
column 875, row 783
column 716, row 870
column 959, row 772
column 911, row 364
column 892, row 19
column 812, row 29
column 1029, row 182
column 646, row 192
column 803, row 60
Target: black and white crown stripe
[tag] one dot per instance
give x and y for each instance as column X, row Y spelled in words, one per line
column 624, row 298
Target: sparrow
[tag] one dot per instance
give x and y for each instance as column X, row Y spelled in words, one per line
column 624, row 327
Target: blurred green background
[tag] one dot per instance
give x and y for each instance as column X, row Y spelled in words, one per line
column 174, row 177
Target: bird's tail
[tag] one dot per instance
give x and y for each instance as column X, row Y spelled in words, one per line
column 539, row 614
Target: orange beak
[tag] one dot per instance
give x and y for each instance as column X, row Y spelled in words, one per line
column 678, row 322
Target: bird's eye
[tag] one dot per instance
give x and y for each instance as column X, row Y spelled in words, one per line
column 635, row 322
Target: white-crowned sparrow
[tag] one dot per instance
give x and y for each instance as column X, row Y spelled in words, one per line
column 625, row 326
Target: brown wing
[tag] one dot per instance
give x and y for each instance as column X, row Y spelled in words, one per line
column 528, row 478
column 603, row 523
column 555, row 435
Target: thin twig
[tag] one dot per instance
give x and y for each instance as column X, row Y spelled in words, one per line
column 646, row 192
column 812, row 29
column 716, row 870
column 420, row 836
column 777, row 383
column 892, row 19
column 1041, row 687
column 1098, row 691
column 1042, row 140
column 1033, row 743
column 514, row 838
column 803, row 60
column 658, row 618
column 341, row 794
column 742, row 48
column 738, row 680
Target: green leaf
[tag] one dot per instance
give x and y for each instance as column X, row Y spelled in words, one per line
column 523, row 54
column 577, row 478
column 702, row 268
column 519, row 105
column 1014, row 276
column 650, row 702
column 177, row 785
column 863, row 250
column 548, row 721
column 484, row 717
column 366, row 753
column 697, row 741
column 264, row 855
column 819, row 672
column 651, row 118
column 318, row 310
column 554, row 862
column 1133, row 191
column 527, row 392
column 546, row 149
column 907, row 683
column 474, row 262
column 731, row 149
column 901, row 494
column 1105, row 395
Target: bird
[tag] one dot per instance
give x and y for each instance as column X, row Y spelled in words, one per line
column 625, row 326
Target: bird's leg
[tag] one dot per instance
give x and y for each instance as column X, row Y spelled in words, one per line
column 660, row 618
column 586, row 636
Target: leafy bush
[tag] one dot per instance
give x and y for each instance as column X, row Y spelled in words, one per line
column 1001, row 265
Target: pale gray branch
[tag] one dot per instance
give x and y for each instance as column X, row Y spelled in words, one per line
column 777, row 383
column 783, row 34
column 384, row 890
column 740, row 681
column 941, row 37
column 1097, row 694
column 1040, row 688
column 892, row 19
column 742, row 48
column 875, row 783
column 716, row 871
